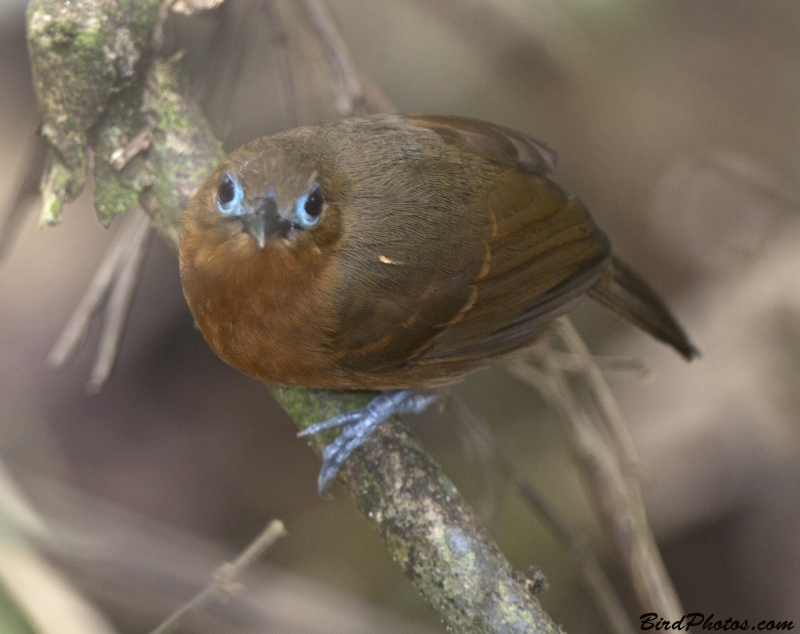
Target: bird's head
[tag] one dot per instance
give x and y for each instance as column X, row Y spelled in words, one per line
column 273, row 195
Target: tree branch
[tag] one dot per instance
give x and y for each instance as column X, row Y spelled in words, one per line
column 612, row 488
column 596, row 581
column 431, row 532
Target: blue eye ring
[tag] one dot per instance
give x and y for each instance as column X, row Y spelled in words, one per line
column 309, row 207
column 229, row 195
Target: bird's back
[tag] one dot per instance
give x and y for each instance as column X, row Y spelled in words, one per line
column 457, row 249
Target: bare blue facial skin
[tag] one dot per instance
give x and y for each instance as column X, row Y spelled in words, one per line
column 261, row 217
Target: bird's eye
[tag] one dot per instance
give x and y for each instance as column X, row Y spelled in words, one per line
column 313, row 204
column 309, row 207
column 225, row 191
column 229, row 194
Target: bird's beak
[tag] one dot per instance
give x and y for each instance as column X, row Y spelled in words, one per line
column 264, row 222
column 256, row 226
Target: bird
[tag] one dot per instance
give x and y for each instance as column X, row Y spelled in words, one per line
column 394, row 253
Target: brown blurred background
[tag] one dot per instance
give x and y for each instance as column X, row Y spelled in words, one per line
column 677, row 123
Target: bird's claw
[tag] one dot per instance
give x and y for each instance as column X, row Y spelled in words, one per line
column 359, row 424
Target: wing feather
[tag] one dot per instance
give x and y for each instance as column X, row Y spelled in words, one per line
column 504, row 250
column 545, row 256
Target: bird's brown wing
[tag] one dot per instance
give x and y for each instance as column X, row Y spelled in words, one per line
column 545, row 254
column 491, row 272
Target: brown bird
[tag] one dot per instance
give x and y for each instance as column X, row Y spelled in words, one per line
column 394, row 252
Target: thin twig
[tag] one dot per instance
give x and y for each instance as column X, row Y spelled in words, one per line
column 647, row 570
column 233, row 32
column 603, row 397
column 28, row 189
column 224, row 581
column 212, row 68
column 123, row 155
column 344, row 75
column 119, row 303
column 619, row 502
column 118, row 252
column 374, row 99
column 633, row 367
column 278, row 40
column 596, row 581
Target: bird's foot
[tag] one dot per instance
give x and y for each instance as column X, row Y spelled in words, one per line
column 359, row 424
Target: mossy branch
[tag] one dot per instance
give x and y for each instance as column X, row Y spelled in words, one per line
column 105, row 91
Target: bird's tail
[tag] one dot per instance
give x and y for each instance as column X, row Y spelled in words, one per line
column 622, row 291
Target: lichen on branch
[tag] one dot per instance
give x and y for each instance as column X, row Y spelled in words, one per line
column 81, row 54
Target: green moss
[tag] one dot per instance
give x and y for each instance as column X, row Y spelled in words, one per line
column 374, row 486
column 81, row 54
column 117, row 190
column 307, row 406
column 141, row 16
column 183, row 148
column 60, row 184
